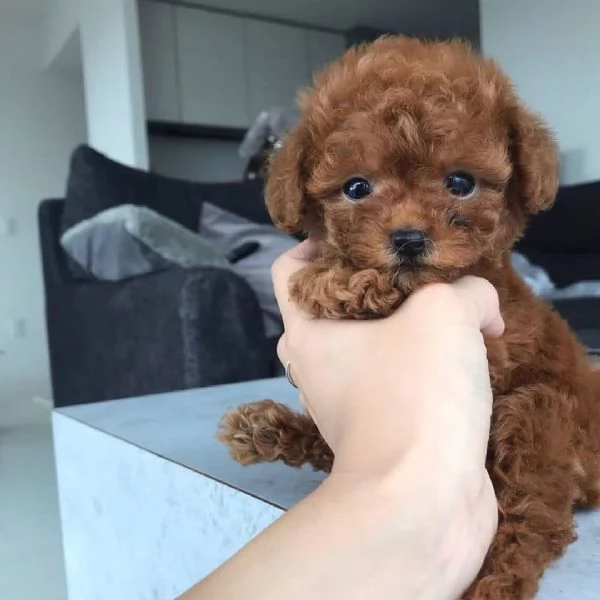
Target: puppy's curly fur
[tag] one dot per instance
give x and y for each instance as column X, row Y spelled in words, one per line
column 403, row 114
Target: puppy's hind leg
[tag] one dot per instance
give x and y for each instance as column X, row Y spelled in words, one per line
column 588, row 450
column 267, row 431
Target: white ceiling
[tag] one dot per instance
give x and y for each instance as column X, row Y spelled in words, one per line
column 421, row 17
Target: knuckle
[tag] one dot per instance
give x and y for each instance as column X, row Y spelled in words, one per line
column 281, row 349
column 291, row 344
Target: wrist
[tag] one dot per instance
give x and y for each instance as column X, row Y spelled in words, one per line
column 437, row 526
column 400, row 533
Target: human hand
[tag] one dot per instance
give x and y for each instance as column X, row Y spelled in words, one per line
column 409, row 394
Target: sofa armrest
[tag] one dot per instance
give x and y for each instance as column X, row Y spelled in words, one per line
column 169, row 330
column 222, row 329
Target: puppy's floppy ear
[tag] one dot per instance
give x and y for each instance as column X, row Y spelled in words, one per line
column 285, row 190
column 534, row 154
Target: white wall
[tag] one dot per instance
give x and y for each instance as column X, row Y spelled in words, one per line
column 551, row 49
column 102, row 38
column 62, row 22
column 110, row 43
column 41, row 120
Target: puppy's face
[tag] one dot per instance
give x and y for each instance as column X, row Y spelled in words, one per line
column 414, row 159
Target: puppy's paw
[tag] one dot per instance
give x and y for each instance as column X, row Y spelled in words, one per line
column 339, row 293
column 242, row 431
column 267, row 431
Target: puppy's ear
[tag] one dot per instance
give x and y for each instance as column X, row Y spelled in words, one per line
column 534, row 154
column 285, row 190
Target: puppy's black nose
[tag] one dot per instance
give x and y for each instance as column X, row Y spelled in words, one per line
column 409, row 242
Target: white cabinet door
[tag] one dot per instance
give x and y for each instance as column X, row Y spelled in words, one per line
column 323, row 48
column 157, row 31
column 275, row 63
column 211, row 62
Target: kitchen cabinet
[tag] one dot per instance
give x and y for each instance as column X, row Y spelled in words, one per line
column 210, row 53
column 276, row 64
column 157, row 27
column 215, row 69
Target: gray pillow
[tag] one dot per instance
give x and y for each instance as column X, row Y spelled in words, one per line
column 127, row 241
column 226, row 231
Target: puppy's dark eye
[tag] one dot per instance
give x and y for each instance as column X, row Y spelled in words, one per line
column 356, row 188
column 460, row 184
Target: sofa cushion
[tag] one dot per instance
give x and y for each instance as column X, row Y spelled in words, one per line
column 97, row 183
column 128, row 241
column 227, row 232
column 242, row 198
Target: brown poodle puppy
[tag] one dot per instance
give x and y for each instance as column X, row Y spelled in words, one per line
column 415, row 162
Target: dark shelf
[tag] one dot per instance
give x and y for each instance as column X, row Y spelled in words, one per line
column 203, row 132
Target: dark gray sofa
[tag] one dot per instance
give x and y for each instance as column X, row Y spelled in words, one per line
column 169, row 330
column 566, row 241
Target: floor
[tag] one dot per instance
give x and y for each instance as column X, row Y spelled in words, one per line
column 31, row 564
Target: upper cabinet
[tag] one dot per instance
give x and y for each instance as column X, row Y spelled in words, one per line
column 212, row 77
column 214, row 69
column 157, row 24
column 276, row 64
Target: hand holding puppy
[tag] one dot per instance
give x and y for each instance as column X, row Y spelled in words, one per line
column 405, row 403
column 411, row 392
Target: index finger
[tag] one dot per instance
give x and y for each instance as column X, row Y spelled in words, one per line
column 283, row 268
column 470, row 300
column 484, row 298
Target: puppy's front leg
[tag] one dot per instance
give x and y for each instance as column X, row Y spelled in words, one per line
column 335, row 292
column 267, row 431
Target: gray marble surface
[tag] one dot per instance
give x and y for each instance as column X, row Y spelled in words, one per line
column 139, row 527
column 181, row 427
column 151, row 502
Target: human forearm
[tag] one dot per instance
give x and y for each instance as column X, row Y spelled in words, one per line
column 349, row 539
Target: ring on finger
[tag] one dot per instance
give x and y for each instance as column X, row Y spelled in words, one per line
column 288, row 374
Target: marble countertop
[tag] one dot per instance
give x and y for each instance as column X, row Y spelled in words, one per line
column 181, row 427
